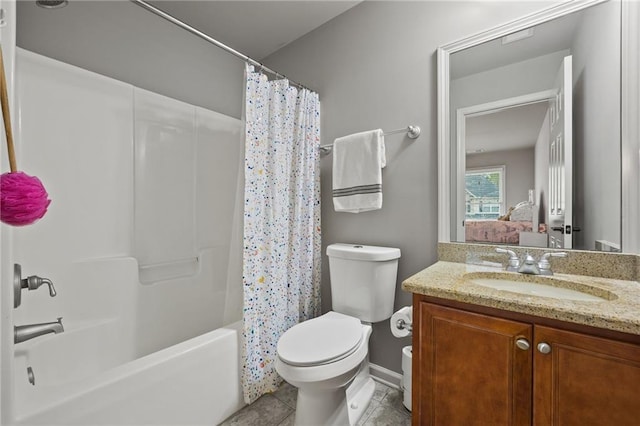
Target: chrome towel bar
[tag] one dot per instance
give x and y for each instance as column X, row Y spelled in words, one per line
column 412, row 132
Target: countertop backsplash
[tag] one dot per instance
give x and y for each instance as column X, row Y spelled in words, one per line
column 621, row 266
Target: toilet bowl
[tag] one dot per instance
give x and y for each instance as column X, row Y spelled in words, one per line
column 327, row 358
column 330, row 369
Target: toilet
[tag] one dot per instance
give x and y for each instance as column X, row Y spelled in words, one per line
column 327, row 358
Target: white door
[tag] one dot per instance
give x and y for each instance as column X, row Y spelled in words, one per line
column 561, row 160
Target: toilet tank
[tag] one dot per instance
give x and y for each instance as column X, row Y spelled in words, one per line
column 363, row 280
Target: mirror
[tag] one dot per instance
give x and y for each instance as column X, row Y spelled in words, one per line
column 530, row 119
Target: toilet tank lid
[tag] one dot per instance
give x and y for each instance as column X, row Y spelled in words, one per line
column 361, row 252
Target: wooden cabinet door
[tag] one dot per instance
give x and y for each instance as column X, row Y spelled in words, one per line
column 470, row 370
column 585, row 380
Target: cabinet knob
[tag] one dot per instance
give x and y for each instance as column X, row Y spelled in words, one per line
column 544, row 348
column 523, row 344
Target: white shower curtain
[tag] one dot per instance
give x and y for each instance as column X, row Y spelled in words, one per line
column 281, row 262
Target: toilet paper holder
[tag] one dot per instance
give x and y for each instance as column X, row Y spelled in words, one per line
column 402, row 324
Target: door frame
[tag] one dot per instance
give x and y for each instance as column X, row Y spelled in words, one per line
column 474, row 111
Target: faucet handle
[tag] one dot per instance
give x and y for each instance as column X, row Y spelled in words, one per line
column 34, row 281
column 31, row 283
column 514, row 261
column 544, row 265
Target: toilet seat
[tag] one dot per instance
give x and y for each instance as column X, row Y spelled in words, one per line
column 322, row 340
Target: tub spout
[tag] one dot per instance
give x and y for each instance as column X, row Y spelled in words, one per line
column 22, row 333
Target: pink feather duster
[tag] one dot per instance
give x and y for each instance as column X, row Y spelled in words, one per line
column 23, row 199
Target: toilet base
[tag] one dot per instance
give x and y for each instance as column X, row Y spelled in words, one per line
column 321, row 408
column 342, row 406
column 359, row 395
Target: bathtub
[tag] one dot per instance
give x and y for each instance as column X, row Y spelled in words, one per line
column 179, row 385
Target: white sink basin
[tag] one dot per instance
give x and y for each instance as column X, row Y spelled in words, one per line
column 541, row 286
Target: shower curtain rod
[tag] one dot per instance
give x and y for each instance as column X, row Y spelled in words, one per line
column 196, row 32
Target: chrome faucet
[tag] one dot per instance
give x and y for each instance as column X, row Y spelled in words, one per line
column 529, row 266
column 22, row 333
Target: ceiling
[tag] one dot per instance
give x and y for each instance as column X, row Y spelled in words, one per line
column 511, row 128
column 255, row 28
column 552, row 36
column 517, row 127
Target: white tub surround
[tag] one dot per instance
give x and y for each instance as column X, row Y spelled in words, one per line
column 142, row 185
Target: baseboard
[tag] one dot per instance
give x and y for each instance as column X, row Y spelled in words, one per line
column 385, row 376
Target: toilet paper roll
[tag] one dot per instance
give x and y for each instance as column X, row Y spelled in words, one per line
column 401, row 322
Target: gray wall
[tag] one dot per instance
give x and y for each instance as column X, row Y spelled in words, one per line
column 519, row 167
column 542, row 170
column 123, row 41
column 521, row 78
column 596, row 85
column 375, row 67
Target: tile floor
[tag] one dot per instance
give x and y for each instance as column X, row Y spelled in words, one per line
column 278, row 409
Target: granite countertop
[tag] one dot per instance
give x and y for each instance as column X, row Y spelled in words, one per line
column 619, row 310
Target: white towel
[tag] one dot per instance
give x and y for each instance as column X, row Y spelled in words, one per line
column 358, row 160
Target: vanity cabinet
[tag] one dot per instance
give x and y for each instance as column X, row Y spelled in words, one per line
column 474, row 368
column 584, row 380
column 469, row 369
